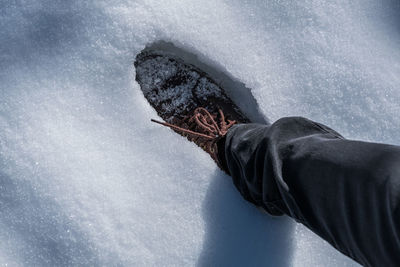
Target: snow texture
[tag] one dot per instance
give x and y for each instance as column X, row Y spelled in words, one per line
column 86, row 179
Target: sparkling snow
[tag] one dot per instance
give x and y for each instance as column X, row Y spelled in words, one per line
column 86, row 179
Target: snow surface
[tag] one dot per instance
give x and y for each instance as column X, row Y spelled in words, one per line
column 86, row 179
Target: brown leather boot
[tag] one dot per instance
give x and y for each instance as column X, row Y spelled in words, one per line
column 190, row 102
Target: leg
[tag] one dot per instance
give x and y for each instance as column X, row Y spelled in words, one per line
column 347, row 192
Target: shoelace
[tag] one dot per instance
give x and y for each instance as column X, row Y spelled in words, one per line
column 206, row 122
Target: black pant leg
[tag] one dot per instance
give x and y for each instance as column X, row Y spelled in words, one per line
column 347, row 192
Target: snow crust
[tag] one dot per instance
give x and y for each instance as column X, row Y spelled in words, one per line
column 86, row 179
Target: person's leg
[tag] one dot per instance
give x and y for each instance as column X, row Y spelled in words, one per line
column 347, row 192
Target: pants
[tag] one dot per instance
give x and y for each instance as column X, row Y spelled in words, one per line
column 347, row 192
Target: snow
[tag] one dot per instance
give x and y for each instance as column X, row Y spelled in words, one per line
column 86, row 179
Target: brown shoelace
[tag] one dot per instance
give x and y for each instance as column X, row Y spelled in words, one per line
column 206, row 122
